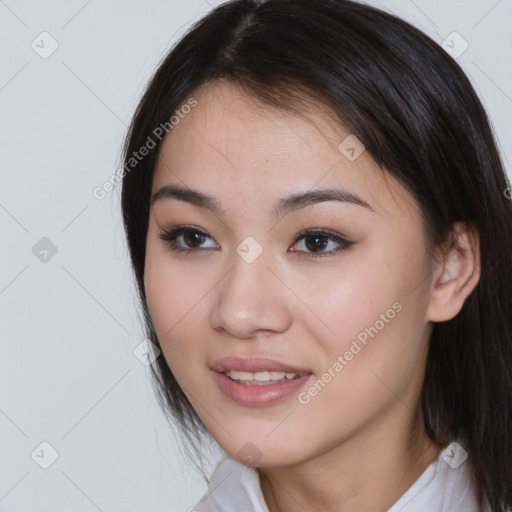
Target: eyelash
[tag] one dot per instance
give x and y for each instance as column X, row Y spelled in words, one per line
column 344, row 244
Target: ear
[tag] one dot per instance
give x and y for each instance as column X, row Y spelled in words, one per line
column 456, row 275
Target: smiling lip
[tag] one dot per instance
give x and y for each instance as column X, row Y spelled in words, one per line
column 255, row 364
column 257, row 395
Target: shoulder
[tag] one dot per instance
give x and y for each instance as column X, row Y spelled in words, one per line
column 445, row 486
column 232, row 487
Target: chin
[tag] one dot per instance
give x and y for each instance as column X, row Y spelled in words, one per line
column 265, row 453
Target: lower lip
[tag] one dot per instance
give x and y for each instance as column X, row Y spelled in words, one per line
column 258, row 395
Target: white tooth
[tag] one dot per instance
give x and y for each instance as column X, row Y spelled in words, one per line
column 239, row 375
column 261, row 376
column 265, row 376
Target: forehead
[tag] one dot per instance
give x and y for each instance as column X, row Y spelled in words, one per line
column 229, row 122
column 232, row 146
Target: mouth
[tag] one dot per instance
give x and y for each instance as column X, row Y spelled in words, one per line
column 258, row 381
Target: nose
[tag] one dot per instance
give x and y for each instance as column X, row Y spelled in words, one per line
column 251, row 300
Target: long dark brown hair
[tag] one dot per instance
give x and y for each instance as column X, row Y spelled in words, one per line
column 416, row 112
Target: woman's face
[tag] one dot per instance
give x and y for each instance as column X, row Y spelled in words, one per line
column 344, row 309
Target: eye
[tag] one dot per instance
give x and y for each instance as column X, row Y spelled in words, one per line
column 317, row 240
column 314, row 242
column 186, row 239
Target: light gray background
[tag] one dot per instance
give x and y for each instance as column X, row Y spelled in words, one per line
column 69, row 325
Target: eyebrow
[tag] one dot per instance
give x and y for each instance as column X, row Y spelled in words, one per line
column 283, row 206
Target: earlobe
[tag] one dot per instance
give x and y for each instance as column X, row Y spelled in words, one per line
column 456, row 276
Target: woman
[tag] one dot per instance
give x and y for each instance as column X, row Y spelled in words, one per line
column 317, row 218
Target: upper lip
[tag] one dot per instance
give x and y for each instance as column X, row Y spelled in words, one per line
column 255, row 364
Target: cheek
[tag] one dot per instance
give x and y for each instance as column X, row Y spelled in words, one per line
column 176, row 301
column 371, row 360
column 172, row 286
column 175, row 304
column 364, row 308
column 343, row 301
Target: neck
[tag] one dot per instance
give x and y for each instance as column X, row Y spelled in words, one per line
column 370, row 471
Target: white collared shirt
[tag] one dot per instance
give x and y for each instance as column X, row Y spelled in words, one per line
column 445, row 486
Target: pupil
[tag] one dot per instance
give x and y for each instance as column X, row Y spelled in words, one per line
column 193, row 238
column 317, row 245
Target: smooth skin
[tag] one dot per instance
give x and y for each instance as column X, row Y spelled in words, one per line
column 350, row 448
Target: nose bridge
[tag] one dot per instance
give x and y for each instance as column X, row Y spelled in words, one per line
column 250, row 298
